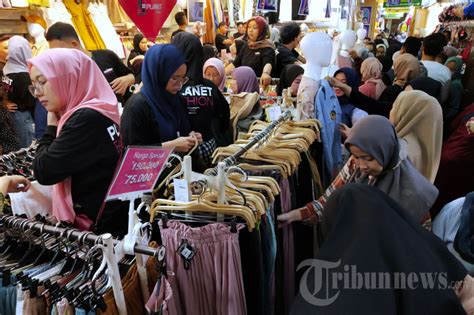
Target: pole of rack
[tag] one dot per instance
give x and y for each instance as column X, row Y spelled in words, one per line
column 71, row 234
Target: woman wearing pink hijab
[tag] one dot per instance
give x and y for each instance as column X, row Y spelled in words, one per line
column 80, row 149
column 213, row 70
column 371, row 70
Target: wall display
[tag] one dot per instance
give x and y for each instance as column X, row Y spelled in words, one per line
column 366, row 17
column 267, row 5
column 195, row 11
column 304, row 7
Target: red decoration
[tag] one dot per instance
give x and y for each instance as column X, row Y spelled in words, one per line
column 148, row 15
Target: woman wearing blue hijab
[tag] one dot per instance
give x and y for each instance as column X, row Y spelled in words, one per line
column 156, row 115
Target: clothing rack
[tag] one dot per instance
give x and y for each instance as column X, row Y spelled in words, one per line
column 68, row 233
column 231, row 160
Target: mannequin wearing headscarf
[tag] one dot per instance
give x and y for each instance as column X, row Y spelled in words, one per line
column 377, row 138
column 418, row 119
column 154, row 116
column 258, row 52
column 406, row 69
column 456, row 170
column 134, row 61
column 367, row 231
column 453, row 106
column 288, row 75
column 15, row 83
column 79, row 153
column 371, row 70
column 208, row 110
column 350, row 113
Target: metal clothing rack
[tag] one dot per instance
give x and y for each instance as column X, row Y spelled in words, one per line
column 231, row 160
column 68, row 233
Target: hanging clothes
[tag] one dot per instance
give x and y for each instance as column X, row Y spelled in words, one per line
column 328, row 111
column 100, row 17
column 84, row 25
column 117, row 14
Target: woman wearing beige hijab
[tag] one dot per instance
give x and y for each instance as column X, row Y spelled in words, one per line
column 418, row 119
column 406, row 68
column 371, row 70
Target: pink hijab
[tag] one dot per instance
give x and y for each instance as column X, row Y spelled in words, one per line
column 371, row 71
column 219, row 65
column 79, row 84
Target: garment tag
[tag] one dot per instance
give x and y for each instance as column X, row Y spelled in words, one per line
column 274, row 113
column 181, row 190
column 186, row 252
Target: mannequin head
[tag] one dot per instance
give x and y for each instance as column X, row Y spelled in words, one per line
column 317, row 49
column 348, row 39
column 361, row 34
column 36, row 31
column 359, row 26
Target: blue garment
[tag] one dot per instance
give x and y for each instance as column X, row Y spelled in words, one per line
column 329, row 113
column 24, row 127
column 160, row 63
column 80, row 311
column 7, row 298
column 446, row 226
column 41, row 120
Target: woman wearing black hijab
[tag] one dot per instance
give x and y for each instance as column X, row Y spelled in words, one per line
column 289, row 78
column 370, row 241
column 209, row 112
column 135, row 59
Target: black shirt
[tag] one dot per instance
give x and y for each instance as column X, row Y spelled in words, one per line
column 112, row 68
column 220, row 43
column 209, row 112
column 255, row 58
column 87, row 150
column 237, row 35
column 16, row 86
column 284, row 57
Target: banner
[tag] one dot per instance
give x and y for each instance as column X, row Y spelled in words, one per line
column 401, row 3
column 148, row 15
column 267, row 5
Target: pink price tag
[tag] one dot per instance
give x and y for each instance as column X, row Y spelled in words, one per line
column 138, row 172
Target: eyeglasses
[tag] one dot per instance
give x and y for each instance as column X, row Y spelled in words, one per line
column 180, row 80
column 37, row 88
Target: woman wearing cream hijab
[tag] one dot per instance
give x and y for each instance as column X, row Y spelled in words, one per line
column 418, row 119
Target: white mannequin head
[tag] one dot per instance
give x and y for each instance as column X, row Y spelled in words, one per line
column 360, row 25
column 361, row 34
column 36, row 31
column 348, row 40
column 317, row 49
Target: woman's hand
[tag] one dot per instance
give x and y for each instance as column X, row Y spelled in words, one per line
column 181, row 144
column 265, row 79
column 13, row 184
column 196, row 135
column 344, row 129
column 289, row 217
column 11, row 107
column 137, row 58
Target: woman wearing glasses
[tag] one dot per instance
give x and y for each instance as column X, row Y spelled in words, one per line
column 81, row 146
column 156, row 115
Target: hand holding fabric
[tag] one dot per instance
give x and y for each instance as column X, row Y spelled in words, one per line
column 120, row 85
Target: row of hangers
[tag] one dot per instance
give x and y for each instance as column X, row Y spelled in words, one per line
column 87, row 264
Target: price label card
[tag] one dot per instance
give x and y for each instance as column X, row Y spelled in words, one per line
column 138, row 172
column 274, row 112
column 181, row 190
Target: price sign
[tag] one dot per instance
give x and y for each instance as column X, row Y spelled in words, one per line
column 138, row 172
column 273, row 113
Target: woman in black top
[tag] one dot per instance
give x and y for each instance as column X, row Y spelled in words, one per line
column 258, row 52
column 135, row 59
column 208, row 110
column 81, row 146
column 156, row 116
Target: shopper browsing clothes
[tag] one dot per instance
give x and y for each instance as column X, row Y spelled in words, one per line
column 80, row 149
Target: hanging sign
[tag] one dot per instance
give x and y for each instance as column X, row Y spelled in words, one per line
column 148, row 15
column 401, row 3
column 138, row 172
column 267, row 5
